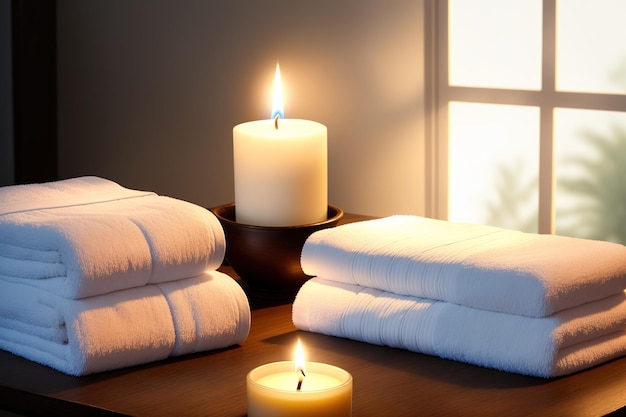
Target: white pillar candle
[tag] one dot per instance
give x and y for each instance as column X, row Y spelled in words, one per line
column 281, row 173
column 325, row 391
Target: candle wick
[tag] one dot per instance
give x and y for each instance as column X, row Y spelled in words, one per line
column 276, row 121
column 300, row 379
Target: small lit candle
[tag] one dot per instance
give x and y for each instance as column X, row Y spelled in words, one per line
column 282, row 389
column 281, row 169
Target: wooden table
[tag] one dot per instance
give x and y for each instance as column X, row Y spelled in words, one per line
column 387, row 382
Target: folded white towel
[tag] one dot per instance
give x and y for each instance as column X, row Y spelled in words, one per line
column 473, row 265
column 123, row 328
column 89, row 236
column 209, row 311
column 94, row 334
column 566, row 342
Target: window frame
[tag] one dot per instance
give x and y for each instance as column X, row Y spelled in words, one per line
column 440, row 93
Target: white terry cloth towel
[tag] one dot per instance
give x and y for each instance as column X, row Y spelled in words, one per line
column 80, row 337
column 209, row 311
column 88, row 236
column 566, row 342
column 473, row 265
column 122, row 328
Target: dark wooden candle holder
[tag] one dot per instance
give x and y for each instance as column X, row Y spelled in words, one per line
column 267, row 259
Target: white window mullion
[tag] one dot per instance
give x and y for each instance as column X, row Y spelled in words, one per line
column 546, row 171
column 546, row 134
column 437, row 130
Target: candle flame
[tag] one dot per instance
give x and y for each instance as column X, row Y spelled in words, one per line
column 277, row 103
column 300, row 367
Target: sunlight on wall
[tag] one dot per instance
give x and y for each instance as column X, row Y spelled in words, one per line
column 494, row 160
column 591, row 48
column 495, row 43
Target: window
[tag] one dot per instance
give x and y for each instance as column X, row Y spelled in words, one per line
column 531, row 123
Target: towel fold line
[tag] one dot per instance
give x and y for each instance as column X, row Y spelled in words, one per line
column 103, row 198
column 16, row 268
column 63, row 194
column 26, row 254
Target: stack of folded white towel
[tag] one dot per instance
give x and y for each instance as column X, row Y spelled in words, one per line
column 95, row 276
column 539, row 305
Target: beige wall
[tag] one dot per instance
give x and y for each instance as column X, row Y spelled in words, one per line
column 149, row 92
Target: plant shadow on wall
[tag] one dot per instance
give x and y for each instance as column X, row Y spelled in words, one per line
column 602, row 187
column 601, row 190
column 511, row 192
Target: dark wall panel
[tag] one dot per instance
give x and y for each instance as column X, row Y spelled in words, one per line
column 34, row 90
